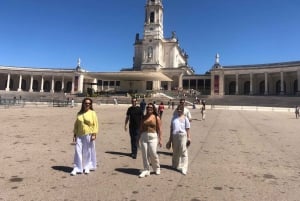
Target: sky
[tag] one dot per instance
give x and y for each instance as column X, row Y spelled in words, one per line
column 55, row 33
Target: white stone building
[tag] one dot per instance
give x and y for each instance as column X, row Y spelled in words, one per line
column 158, row 63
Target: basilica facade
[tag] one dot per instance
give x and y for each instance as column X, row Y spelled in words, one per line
column 158, row 63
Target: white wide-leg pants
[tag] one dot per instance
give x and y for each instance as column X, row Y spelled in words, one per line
column 180, row 152
column 85, row 154
column 149, row 150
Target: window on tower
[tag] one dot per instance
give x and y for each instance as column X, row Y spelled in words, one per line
column 152, row 17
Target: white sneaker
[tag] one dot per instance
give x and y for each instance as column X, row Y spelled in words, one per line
column 184, row 172
column 145, row 173
column 157, row 171
column 73, row 173
column 86, row 171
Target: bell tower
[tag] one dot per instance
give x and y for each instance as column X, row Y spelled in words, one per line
column 153, row 25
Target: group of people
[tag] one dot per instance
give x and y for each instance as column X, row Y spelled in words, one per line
column 145, row 129
column 160, row 108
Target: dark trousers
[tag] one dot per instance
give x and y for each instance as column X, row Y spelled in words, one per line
column 134, row 132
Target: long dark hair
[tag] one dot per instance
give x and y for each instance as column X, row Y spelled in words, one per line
column 154, row 108
column 82, row 107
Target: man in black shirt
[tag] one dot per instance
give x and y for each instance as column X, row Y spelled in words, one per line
column 134, row 115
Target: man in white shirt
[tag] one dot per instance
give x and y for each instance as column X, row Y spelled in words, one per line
column 186, row 111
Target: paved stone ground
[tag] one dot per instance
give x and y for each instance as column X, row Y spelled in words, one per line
column 234, row 156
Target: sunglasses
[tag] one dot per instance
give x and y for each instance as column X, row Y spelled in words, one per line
column 87, row 103
column 149, row 107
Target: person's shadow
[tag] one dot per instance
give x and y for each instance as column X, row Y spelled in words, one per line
column 118, row 153
column 131, row 171
column 165, row 153
column 135, row 171
column 66, row 169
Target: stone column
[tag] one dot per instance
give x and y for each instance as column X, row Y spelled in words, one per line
column 180, row 81
column 266, row 84
column 251, row 83
column 80, row 84
column 31, row 83
column 20, row 83
column 212, row 84
column 221, row 84
column 63, row 84
column 8, row 82
column 281, row 84
column 52, row 85
column 73, row 85
column 236, row 84
column 42, row 84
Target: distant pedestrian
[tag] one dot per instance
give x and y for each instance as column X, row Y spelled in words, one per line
column 203, row 112
column 297, row 112
column 143, row 105
column 173, row 105
column 169, row 104
column 72, row 102
column 115, row 101
column 161, row 108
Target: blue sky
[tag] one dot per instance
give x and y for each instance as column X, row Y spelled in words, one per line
column 55, row 33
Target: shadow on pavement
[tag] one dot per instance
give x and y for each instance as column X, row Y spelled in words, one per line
column 118, row 153
column 165, row 153
column 132, row 171
column 63, row 168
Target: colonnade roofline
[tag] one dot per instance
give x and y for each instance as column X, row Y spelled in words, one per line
column 268, row 65
column 14, row 68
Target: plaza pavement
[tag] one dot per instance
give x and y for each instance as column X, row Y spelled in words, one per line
column 234, row 156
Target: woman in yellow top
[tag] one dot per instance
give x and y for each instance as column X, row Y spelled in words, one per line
column 150, row 137
column 85, row 130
